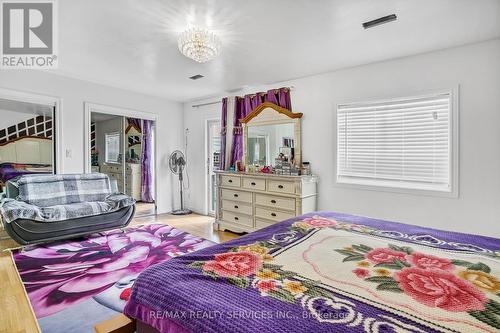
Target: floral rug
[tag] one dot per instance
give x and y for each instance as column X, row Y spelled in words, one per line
column 74, row 285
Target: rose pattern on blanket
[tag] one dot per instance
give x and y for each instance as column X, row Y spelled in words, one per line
column 451, row 285
column 430, row 280
column 251, row 266
column 59, row 275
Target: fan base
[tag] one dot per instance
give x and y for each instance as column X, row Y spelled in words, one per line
column 181, row 212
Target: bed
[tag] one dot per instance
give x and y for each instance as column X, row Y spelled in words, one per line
column 326, row 272
column 12, row 170
column 25, row 155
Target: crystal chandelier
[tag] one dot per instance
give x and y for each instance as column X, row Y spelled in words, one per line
column 199, row 44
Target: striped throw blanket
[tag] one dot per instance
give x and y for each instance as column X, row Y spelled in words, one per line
column 51, row 198
column 52, row 190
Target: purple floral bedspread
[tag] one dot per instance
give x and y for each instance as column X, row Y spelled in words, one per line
column 327, row 272
column 12, row 170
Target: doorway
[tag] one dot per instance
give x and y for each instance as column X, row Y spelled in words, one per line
column 121, row 143
column 213, row 145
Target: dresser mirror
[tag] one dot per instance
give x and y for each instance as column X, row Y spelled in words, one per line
column 271, row 132
column 134, row 144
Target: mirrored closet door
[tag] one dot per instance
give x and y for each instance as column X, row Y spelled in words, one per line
column 123, row 148
column 27, row 139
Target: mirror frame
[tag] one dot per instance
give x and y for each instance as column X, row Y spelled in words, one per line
column 278, row 115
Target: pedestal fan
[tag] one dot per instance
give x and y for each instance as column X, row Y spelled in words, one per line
column 177, row 163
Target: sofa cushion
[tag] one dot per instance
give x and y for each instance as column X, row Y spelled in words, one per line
column 14, row 209
column 53, row 190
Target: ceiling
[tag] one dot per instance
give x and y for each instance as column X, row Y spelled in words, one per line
column 132, row 44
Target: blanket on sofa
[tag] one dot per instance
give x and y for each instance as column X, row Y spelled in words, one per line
column 14, row 209
column 45, row 191
column 55, row 198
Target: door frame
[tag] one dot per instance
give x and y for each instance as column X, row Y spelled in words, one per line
column 208, row 190
column 123, row 112
column 54, row 101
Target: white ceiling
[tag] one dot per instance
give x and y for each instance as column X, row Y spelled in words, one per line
column 132, row 44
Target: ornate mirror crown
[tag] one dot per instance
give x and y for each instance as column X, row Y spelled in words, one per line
column 269, row 131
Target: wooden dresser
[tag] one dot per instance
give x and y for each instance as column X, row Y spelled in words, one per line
column 247, row 202
column 132, row 178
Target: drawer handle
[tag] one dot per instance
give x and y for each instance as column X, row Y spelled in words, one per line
column 273, row 214
column 236, row 206
column 273, row 201
column 236, row 218
column 230, row 180
column 280, row 186
column 253, row 183
column 235, row 195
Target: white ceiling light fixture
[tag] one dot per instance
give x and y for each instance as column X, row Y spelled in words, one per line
column 199, row 44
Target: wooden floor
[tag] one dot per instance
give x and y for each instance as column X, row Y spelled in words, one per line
column 144, row 209
column 16, row 315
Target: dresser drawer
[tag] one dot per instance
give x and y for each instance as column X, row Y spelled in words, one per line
column 237, row 207
column 274, row 201
column 272, row 214
column 281, row 186
column 233, row 181
column 254, row 183
column 259, row 224
column 237, row 218
column 133, row 168
column 236, row 195
column 111, row 169
column 117, row 176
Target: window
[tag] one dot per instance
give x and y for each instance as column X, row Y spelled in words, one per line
column 112, row 147
column 405, row 143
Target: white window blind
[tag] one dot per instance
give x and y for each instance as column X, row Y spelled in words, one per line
column 112, row 147
column 402, row 143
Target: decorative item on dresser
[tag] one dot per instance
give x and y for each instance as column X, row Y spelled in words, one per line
column 251, row 201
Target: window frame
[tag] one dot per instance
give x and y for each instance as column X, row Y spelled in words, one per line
column 453, row 141
column 118, row 134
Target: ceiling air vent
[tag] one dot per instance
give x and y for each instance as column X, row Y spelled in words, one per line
column 379, row 21
column 196, row 77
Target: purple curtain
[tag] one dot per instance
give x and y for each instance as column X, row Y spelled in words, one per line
column 223, row 129
column 244, row 105
column 147, row 162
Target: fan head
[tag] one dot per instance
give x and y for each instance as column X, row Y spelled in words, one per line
column 176, row 161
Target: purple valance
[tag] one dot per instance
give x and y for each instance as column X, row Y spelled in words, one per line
column 244, row 105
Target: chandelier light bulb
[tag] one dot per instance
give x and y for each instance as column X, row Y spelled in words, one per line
column 199, row 44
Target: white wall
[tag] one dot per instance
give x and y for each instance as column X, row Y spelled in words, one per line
column 74, row 93
column 195, row 119
column 9, row 118
column 475, row 68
